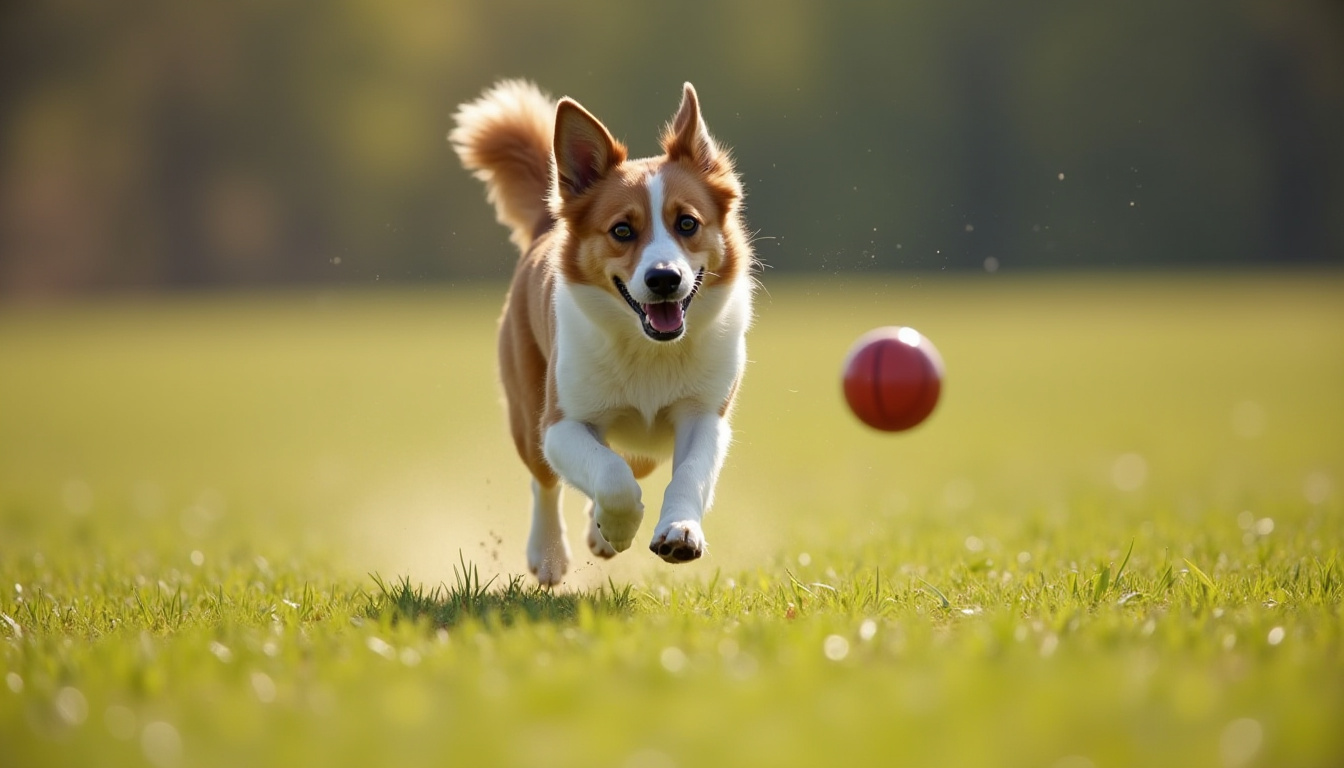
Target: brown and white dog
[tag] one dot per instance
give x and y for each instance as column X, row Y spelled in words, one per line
column 623, row 336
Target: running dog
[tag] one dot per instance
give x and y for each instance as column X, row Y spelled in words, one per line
column 623, row 337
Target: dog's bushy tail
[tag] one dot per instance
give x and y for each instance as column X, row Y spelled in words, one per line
column 504, row 137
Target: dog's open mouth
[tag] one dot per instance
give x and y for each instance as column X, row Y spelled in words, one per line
column 663, row 320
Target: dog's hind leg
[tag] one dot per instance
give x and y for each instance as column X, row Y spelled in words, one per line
column 547, row 550
column 597, row 544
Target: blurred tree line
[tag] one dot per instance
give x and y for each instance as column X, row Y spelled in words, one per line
column 151, row 143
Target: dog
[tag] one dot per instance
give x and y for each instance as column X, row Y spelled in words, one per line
column 623, row 337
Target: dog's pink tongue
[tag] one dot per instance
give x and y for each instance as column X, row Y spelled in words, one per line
column 665, row 316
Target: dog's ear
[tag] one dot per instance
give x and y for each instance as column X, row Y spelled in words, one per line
column 687, row 137
column 585, row 151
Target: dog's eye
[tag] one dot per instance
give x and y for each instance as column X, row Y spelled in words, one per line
column 687, row 225
column 623, row 232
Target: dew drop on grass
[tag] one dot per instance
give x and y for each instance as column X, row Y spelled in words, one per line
column 1275, row 636
column 835, row 647
column 673, row 659
column 1049, row 644
column 161, row 744
column 804, row 559
column 728, row 648
column 14, row 682
column 1317, row 487
column 1240, row 741
column 1129, row 472
column 867, row 630
column 221, row 651
column 381, row 647
column 264, row 687
column 743, row 666
column 197, row 558
column 72, row 706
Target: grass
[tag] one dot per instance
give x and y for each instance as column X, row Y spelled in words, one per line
column 287, row 530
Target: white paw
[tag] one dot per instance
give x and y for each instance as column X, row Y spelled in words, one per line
column 617, row 529
column 597, row 543
column 618, row 510
column 679, row 542
column 548, row 558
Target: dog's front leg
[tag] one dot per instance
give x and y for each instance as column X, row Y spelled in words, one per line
column 574, row 450
column 702, row 445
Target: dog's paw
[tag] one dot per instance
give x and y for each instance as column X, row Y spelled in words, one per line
column 618, row 493
column 618, row 510
column 548, row 560
column 679, row 542
column 597, row 543
column 617, row 529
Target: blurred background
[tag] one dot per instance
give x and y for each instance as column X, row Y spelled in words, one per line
column 157, row 144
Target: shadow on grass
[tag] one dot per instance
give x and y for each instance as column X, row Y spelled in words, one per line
column 468, row 598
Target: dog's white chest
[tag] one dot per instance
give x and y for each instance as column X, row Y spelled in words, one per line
column 625, row 384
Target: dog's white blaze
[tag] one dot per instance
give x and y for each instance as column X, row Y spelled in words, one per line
column 663, row 251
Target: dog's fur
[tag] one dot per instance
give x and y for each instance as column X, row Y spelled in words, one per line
column 623, row 336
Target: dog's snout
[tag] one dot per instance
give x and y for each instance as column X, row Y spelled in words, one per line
column 662, row 282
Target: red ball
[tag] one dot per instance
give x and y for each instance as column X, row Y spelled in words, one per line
column 893, row 377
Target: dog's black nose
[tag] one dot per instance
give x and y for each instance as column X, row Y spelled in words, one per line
column 663, row 282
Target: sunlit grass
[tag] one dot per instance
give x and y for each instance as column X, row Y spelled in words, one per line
column 288, row 530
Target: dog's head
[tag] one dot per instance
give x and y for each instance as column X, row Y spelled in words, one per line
column 649, row 235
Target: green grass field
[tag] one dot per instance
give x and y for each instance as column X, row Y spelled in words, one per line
column 284, row 530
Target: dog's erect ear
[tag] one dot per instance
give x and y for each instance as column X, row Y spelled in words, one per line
column 585, row 152
column 687, row 137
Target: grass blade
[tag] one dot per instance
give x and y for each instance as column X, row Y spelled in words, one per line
column 1202, row 576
